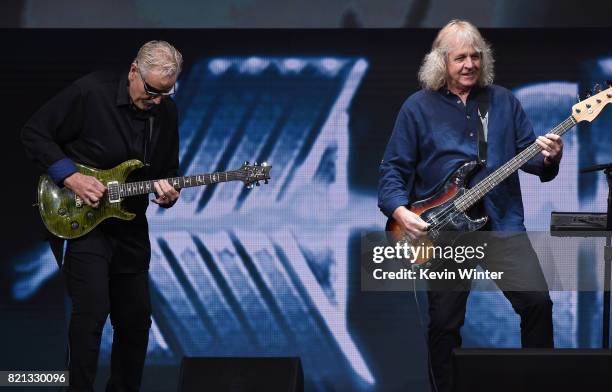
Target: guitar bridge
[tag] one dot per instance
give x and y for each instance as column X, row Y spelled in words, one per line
column 113, row 192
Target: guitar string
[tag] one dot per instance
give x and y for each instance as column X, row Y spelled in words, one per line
column 477, row 193
column 560, row 130
column 507, row 169
column 450, row 212
column 137, row 185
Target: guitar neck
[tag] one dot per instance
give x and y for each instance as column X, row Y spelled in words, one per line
column 145, row 187
column 473, row 195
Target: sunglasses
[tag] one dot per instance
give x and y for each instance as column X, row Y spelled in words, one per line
column 152, row 91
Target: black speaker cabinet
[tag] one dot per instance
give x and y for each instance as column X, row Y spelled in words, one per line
column 251, row 374
column 526, row 370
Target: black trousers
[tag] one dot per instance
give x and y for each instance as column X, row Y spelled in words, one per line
column 523, row 284
column 97, row 290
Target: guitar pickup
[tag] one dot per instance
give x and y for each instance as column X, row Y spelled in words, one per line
column 114, row 195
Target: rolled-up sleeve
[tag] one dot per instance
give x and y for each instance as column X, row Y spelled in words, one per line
column 397, row 169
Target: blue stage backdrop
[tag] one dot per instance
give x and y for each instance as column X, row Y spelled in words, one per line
column 272, row 272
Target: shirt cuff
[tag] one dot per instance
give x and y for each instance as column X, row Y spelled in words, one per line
column 388, row 206
column 549, row 172
column 61, row 169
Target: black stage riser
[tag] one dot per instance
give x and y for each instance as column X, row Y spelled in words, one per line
column 203, row 374
column 526, row 370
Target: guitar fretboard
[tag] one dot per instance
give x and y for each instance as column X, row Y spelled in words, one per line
column 145, row 187
column 470, row 197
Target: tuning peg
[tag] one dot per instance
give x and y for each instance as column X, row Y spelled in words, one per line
column 255, row 163
column 609, row 82
column 250, row 186
column 264, row 164
column 246, row 163
column 257, row 183
column 587, row 93
column 266, row 181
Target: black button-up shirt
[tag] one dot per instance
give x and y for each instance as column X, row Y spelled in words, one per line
column 93, row 122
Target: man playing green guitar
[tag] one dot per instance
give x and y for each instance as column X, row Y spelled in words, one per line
column 102, row 120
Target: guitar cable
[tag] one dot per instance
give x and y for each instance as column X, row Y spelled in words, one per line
column 62, row 266
column 67, row 366
column 429, row 365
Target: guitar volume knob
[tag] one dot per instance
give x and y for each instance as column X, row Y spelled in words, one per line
column 90, row 215
column 74, row 225
column 61, row 211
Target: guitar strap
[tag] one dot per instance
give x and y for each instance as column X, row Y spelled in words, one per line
column 147, row 143
column 483, row 125
column 58, row 248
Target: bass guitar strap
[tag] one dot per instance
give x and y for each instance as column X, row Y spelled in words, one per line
column 483, row 125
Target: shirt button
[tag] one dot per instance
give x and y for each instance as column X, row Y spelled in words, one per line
column 471, row 134
column 458, row 101
column 468, row 116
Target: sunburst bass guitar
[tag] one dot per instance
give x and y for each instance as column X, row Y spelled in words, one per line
column 445, row 211
column 66, row 216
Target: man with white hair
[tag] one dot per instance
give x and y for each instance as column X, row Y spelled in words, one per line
column 102, row 120
column 441, row 127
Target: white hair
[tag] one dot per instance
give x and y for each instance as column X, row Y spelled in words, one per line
column 160, row 57
column 457, row 33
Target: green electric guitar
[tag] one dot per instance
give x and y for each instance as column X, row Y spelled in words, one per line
column 66, row 215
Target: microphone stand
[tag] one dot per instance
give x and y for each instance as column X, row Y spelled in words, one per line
column 607, row 169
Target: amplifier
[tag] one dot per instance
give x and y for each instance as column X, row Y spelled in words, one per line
column 578, row 221
column 532, row 370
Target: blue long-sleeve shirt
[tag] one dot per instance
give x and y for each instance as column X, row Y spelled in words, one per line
column 435, row 133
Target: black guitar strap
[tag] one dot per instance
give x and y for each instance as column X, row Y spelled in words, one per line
column 147, row 142
column 483, row 125
column 58, row 248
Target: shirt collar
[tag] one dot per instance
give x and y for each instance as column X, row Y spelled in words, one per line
column 473, row 92
column 123, row 99
column 123, row 96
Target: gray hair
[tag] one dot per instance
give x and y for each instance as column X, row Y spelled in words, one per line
column 159, row 56
column 432, row 74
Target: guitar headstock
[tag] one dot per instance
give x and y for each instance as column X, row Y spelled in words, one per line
column 589, row 108
column 252, row 174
